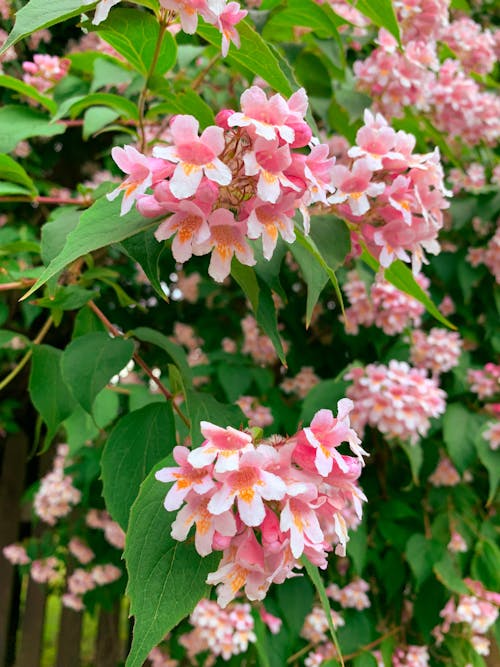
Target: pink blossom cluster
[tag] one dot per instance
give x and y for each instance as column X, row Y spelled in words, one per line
column 315, row 628
column 159, row 658
column 81, row 551
column 474, row 47
column 421, row 20
column 258, row 415
column 445, row 474
column 438, row 351
column 243, row 178
column 16, row 554
column 384, row 306
column 472, row 179
column 56, row 496
column 492, row 255
column 406, row 188
column 302, row 383
column 411, row 656
column 457, row 544
column 492, row 435
column 352, row 596
column 265, row 504
column 46, row 570
column 397, row 399
column 101, row 520
column 225, row 632
column 485, row 382
column 259, row 346
column 456, row 103
column 81, row 581
column 45, row 71
column 477, row 612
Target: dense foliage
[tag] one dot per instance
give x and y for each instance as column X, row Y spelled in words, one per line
column 252, row 253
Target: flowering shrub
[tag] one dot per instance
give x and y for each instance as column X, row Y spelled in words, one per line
column 225, row 230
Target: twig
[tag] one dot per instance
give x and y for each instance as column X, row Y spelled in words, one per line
column 18, row 284
column 373, row 644
column 140, row 362
column 199, row 78
column 18, row 368
column 61, row 201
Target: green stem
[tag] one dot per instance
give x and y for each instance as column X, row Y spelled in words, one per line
column 19, row 367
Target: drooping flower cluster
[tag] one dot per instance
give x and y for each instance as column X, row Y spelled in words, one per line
column 257, row 415
column 485, row 382
column 411, row 656
column 56, row 495
column 113, row 532
column 438, row 351
column 225, row 632
column 352, row 596
column 490, row 255
column 476, row 612
column 474, row 47
column 259, row 346
column 397, row 399
column 315, row 628
column 385, row 306
column 302, row 383
column 45, row 71
column 265, row 505
column 445, row 474
column 16, row 554
column 81, row 581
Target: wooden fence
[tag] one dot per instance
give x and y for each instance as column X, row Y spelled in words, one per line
column 24, row 608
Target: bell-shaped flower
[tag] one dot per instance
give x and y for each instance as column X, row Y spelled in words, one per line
column 269, row 161
column 189, row 224
column 225, row 16
column 250, row 485
column 194, row 156
column 270, row 221
column 299, row 517
column 227, row 238
column 355, row 186
column 222, row 445
column 187, row 11
column 375, row 141
column 268, row 118
column 195, row 512
column 186, row 478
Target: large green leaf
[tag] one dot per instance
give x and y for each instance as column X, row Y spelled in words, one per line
column 54, row 232
column 166, row 577
column 11, row 171
column 38, row 14
column 75, row 105
column 399, row 275
column 136, row 444
column 99, row 226
column 90, row 361
column 314, row 275
column 27, row 91
column 254, row 54
column 18, row 123
column 381, row 13
column 134, row 34
column 49, row 393
column 460, row 430
column 146, row 250
column 489, row 459
column 174, row 351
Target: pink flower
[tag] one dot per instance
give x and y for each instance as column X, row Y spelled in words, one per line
column 300, row 518
column 271, row 220
column 189, row 224
column 195, row 512
column 194, row 156
column 102, row 10
column 375, row 141
column 80, row 550
column 16, row 554
column 223, row 445
column 188, row 12
column 249, row 485
column 355, row 186
column 140, row 171
column 225, row 17
column 269, row 161
column 268, row 118
column 227, row 238
column 185, row 477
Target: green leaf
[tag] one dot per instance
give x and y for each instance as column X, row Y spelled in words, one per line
column 14, row 189
column 261, row 300
column 75, row 105
column 188, row 102
column 460, row 430
column 325, row 394
column 357, row 547
column 109, row 72
column 54, row 232
column 90, row 361
column 254, row 54
column 166, row 577
column 421, row 554
column 314, row 275
column 415, row 457
column 99, row 226
column 315, row 577
column 146, row 250
column 489, row 459
column 38, row 14
column 18, row 123
column 381, row 13
column 67, row 297
column 174, row 351
column 11, row 171
column 261, row 644
column 27, row 91
column 447, row 573
column 48, row 391
column 205, row 407
column 484, row 565
column 399, row 275
column 136, row 444
column 134, row 34
column 96, row 119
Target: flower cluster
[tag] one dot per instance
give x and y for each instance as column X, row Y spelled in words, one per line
column 265, row 505
column 259, row 346
column 445, row 474
column 101, row 520
column 385, row 306
column 492, row 435
column 302, row 383
column 257, row 415
column 411, row 656
column 45, row 71
column 315, row 628
column 485, row 382
column 225, row 632
column 438, row 351
column 398, row 400
column 56, row 495
column 490, row 256
column 474, row 47
column 476, row 612
column 81, row 581
column 352, row 596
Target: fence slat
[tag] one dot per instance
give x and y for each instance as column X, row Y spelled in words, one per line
column 32, row 626
column 108, row 649
column 15, row 450
column 69, row 640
